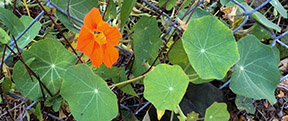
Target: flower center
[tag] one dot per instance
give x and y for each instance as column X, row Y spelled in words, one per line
column 100, row 38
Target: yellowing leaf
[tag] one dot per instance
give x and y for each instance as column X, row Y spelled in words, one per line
column 160, row 113
column 230, row 12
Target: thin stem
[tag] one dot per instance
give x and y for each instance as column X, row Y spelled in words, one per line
column 172, row 115
column 3, row 56
column 128, row 81
column 181, row 112
column 26, row 7
column 186, row 68
column 69, row 17
column 105, row 9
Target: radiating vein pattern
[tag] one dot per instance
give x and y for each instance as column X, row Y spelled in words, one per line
column 49, row 60
column 210, row 46
column 256, row 75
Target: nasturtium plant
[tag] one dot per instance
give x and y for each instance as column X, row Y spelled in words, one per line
column 210, row 46
column 142, row 60
column 88, row 95
column 256, row 75
column 217, row 112
column 49, row 60
column 165, row 86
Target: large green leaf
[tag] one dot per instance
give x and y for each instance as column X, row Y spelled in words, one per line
column 178, row 52
column 146, row 42
column 78, row 9
column 279, row 7
column 210, row 46
column 88, row 95
column 217, row 112
column 169, row 5
column 126, row 10
column 165, row 86
column 256, row 75
column 49, row 60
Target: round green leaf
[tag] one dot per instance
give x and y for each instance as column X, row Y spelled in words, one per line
column 49, row 60
column 210, row 46
column 256, row 75
column 88, row 95
column 217, row 112
column 165, row 86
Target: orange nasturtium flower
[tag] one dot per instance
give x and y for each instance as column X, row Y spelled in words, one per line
column 97, row 39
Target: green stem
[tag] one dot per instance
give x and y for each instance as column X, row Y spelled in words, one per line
column 180, row 112
column 128, row 81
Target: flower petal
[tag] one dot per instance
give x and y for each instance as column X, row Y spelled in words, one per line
column 92, row 19
column 85, row 41
column 97, row 56
column 113, row 36
column 110, row 55
column 112, row 33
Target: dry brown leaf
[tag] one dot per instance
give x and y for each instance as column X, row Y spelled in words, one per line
column 281, row 94
column 283, row 66
column 285, row 118
column 230, row 12
column 182, row 24
column 61, row 114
